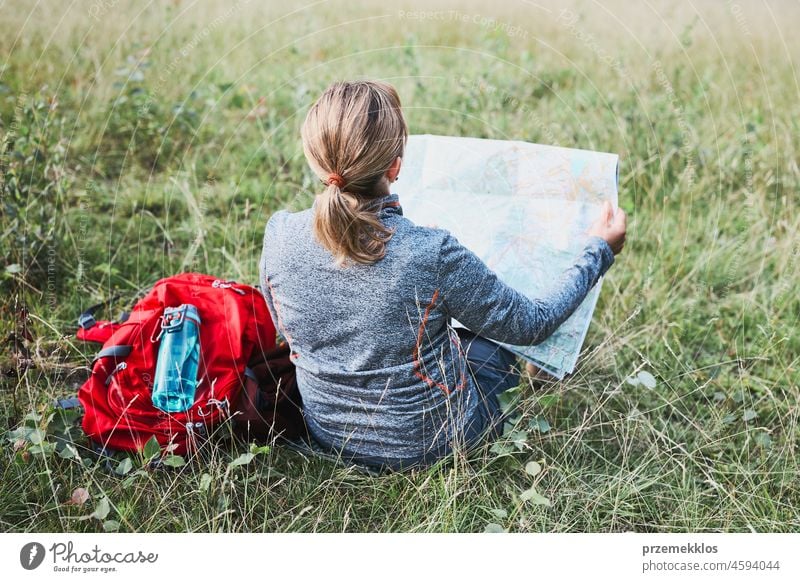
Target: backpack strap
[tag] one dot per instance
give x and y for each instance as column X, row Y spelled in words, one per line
column 119, row 351
column 86, row 319
column 92, row 330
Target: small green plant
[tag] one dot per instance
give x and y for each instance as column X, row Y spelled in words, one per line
column 34, row 178
column 140, row 129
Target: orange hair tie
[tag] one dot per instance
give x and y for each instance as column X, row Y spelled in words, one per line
column 335, row 178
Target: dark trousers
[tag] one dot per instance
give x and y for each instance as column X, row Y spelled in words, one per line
column 495, row 370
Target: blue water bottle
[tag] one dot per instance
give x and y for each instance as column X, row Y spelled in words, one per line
column 178, row 359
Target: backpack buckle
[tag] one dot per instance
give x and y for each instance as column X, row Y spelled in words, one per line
column 86, row 321
column 220, row 284
column 221, row 405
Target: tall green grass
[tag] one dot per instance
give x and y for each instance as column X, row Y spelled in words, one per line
column 140, row 141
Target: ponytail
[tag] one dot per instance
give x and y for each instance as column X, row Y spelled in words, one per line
column 350, row 228
column 354, row 130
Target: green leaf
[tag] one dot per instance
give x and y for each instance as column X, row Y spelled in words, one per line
column 533, row 468
column 205, row 482
column 646, row 379
column 45, row 449
column 749, row 415
column 548, row 400
column 63, row 422
column 32, row 417
column 102, row 509
column 22, row 433
column 501, row 448
column 507, row 400
column 68, row 452
column 539, row 423
column 494, row 528
column 110, row 525
column 13, row 269
column 728, row 419
column 151, row 448
column 534, row 497
column 519, row 438
column 174, row 461
column 242, row 459
column 499, row 513
column 762, row 439
column 256, row 450
column 124, row 467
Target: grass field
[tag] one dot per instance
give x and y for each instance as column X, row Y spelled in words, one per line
column 140, row 140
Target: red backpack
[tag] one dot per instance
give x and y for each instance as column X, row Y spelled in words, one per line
column 244, row 374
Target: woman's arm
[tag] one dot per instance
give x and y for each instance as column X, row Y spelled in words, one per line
column 475, row 296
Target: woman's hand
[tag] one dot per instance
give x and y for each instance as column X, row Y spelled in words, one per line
column 611, row 227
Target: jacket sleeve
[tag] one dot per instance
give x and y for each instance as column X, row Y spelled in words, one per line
column 473, row 294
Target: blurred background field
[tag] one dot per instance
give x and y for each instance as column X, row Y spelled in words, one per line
column 140, row 140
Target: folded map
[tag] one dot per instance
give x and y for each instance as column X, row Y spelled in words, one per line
column 523, row 208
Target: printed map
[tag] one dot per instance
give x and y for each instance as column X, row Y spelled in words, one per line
column 523, row 208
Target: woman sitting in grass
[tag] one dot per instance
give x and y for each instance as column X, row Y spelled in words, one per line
column 364, row 298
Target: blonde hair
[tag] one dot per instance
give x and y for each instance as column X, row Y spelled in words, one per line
column 351, row 136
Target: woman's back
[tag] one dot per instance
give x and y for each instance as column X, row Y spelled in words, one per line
column 380, row 371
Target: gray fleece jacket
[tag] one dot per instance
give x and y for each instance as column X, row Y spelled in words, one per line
column 380, row 370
